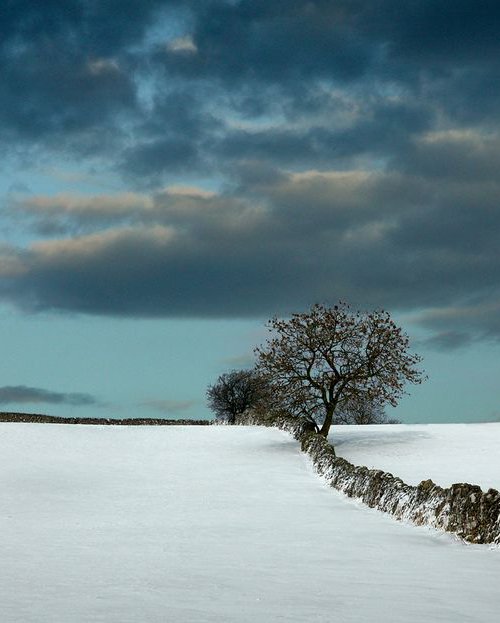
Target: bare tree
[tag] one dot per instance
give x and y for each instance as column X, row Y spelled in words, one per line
column 234, row 392
column 324, row 358
column 362, row 411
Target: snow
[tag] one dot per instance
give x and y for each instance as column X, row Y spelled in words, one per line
column 211, row 524
column 446, row 453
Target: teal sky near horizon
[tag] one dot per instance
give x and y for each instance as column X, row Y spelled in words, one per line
column 161, row 368
column 176, row 173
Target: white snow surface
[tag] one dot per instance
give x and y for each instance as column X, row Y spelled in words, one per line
column 212, row 524
column 446, row 453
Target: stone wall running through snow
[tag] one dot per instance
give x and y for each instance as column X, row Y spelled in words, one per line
column 37, row 418
column 463, row 509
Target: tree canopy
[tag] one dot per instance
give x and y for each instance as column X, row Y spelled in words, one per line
column 234, row 392
column 320, row 361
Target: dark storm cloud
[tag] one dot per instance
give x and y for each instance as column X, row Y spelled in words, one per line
column 66, row 68
column 173, row 139
column 355, row 145
column 440, row 32
column 22, row 394
column 104, row 26
column 381, row 129
column 272, row 41
column 453, row 156
column 45, row 92
column 447, row 51
column 295, row 44
column 371, row 238
column 73, row 76
column 147, row 162
column 457, row 326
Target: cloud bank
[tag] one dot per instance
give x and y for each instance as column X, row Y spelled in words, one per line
column 22, row 394
column 271, row 154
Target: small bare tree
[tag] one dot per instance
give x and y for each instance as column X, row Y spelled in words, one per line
column 320, row 360
column 234, row 392
column 362, row 411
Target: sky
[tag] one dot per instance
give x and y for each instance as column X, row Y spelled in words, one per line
column 175, row 173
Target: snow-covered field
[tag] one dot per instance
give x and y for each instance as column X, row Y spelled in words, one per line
column 447, row 453
column 211, row 524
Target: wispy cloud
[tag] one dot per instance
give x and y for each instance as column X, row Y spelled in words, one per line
column 21, row 394
column 172, row 407
column 240, row 361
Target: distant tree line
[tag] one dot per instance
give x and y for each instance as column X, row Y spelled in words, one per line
column 39, row 418
column 329, row 365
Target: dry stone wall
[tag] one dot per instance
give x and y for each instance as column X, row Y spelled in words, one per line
column 36, row 418
column 463, row 509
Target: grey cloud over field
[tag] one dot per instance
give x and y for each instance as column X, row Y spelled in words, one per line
column 21, row 394
column 270, row 154
column 384, row 239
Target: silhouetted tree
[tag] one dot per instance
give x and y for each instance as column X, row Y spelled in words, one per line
column 362, row 411
column 324, row 358
column 234, row 392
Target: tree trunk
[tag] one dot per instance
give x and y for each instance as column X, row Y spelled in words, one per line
column 327, row 423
